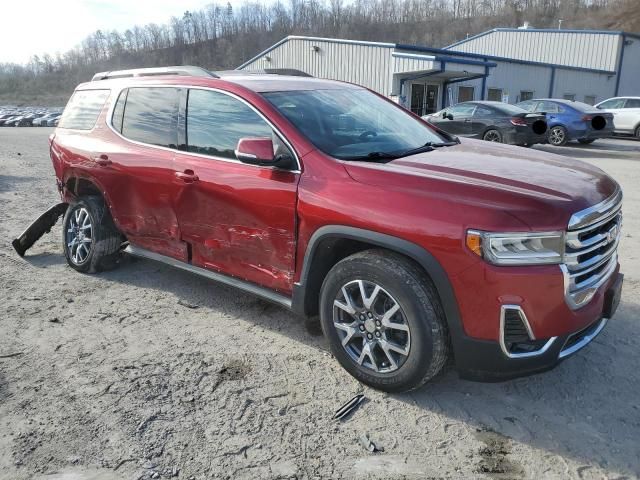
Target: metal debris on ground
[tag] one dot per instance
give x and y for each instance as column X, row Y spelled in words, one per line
column 369, row 445
column 188, row 305
column 349, row 407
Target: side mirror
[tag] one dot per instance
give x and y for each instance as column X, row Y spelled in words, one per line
column 255, row 150
column 448, row 116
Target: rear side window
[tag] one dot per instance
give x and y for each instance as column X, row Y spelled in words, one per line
column 216, row 121
column 83, row 109
column 632, row 103
column 151, row 116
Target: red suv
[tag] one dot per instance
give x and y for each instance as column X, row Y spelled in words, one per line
column 413, row 247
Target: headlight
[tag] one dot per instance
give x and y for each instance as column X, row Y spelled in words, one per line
column 539, row 248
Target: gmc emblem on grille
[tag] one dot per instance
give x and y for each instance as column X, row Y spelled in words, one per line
column 612, row 234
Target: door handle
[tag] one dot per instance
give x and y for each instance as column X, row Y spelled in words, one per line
column 188, row 176
column 102, row 160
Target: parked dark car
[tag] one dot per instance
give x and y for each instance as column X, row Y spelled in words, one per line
column 569, row 120
column 413, row 247
column 491, row 121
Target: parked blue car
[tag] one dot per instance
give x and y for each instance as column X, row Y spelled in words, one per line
column 569, row 120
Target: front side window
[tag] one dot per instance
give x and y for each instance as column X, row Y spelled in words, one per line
column 462, row 110
column 216, row 121
column 83, row 109
column 352, row 124
column 614, row 103
column 151, row 116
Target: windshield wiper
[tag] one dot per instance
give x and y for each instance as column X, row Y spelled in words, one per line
column 427, row 147
column 373, row 156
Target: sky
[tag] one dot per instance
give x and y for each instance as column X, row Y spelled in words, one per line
column 48, row 26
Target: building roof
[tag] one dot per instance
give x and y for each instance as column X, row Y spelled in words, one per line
column 589, row 49
column 485, row 58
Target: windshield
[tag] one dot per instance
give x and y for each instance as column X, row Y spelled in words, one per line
column 353, row 124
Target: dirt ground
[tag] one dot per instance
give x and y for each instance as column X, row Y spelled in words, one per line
column 148, row 372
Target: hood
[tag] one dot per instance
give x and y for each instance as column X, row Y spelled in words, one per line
column 537, row 187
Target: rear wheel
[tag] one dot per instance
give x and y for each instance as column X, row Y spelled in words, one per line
column 637, row 132
column 90, row 240
column 558, row 136
column 384, row 321
column 492, row 136
column 586, row 141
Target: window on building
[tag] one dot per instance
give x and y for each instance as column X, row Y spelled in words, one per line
column 151, row 116
column 632, row 103
column 569, row 96
column 216, row 121
column 465, row 94
column 525, row 95
column 590, row 99
column 83, row 109
column 494, row 94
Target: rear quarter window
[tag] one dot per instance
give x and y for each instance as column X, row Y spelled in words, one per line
column 83, row 109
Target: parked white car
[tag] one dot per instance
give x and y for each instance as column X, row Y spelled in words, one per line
column 626, row 114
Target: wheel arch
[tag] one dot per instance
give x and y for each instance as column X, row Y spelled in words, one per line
column 321, row 254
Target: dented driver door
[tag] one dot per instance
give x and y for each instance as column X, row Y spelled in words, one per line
column 238, row 219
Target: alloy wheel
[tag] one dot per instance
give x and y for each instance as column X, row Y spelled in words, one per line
column 371, row 326
column 79, row 236
column 492, row 136
column 556, row 136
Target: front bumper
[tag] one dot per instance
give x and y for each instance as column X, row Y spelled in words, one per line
column 485, row 360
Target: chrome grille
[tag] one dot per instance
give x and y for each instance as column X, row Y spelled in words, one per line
column 590, row 252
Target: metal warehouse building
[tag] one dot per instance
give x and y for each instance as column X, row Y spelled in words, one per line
column 502, row 64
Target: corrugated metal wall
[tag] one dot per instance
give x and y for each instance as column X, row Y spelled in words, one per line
column 630, row 79
column 367, row 65
column 586, row 50
column 583, row 85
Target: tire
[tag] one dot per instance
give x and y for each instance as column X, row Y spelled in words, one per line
column 492, row 135
column 89, row 219
column 558, row 136
column 417, row 327
column 637, row 133
column 586, row 141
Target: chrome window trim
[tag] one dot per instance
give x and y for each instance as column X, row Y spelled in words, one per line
column 590, row 215
column 584, row 341
column 119, row 89
column 525, row 321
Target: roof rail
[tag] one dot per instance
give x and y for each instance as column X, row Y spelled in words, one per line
column 268, row 71
column 149, row 72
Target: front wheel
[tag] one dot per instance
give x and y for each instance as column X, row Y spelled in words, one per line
column 384, row 321
column 90, row 240
column 492, row 136
column 558, row 136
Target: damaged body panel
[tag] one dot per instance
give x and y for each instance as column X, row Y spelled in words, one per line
column 38, row 228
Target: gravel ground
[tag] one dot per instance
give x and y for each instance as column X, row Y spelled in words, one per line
column 148, row 372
